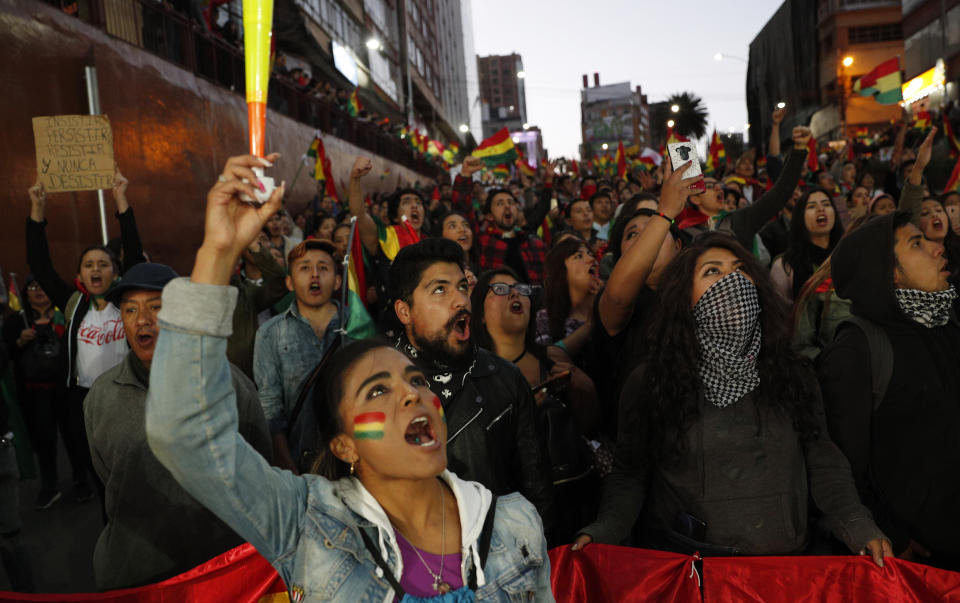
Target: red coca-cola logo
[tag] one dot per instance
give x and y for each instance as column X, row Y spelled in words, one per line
column 100, row 335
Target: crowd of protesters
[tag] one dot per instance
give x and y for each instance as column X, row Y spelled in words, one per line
column 758, row 361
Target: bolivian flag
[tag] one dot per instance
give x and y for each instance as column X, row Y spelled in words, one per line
column 717, row 155
column 953, row 185
column 319, row 155
column 359, row 324
column 525, row 168
column 395, row 237
column 621, row 162
column 353, row 104
column 497, row 149
column 922, row 120
column 954, row 142
column 883, row 83
column 501, row 172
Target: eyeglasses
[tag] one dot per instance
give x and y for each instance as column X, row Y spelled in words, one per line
column 504, row 289
column 34, row 287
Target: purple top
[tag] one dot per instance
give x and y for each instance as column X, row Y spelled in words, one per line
column 416, row 580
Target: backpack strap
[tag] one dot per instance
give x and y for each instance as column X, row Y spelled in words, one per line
column 881, row 356
column 381, row 563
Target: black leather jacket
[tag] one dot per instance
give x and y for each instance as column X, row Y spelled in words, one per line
column 492, row 433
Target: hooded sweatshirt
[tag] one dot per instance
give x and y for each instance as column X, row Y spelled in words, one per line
column 905, row 454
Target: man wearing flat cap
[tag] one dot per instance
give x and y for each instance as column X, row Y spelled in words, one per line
column 154, row 529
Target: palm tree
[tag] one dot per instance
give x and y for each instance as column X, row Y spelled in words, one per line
column 691, row 119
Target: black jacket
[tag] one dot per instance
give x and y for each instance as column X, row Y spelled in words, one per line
column 905, row 454
column 73, row 302
column 492, row 433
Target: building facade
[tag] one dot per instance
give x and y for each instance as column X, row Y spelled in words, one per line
column 504, row 98
column 611, row 114
column 854, row 36
column 931, row 52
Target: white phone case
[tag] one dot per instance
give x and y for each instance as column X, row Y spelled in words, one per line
column 682, row 152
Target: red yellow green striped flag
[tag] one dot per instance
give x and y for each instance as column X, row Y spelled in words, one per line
column 954, row 142
column 717, row 154
column 359, row 323
column 525, row 168
column 953, row 185
column 395, row 237
column 501, row 172
column 319, row 155
column 883, row 83
column 353, row 104
column 922, row 120
column 496, row 150
column 621, row 162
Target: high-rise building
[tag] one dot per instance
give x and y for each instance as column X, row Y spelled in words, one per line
column 502, row 91
column 808, row 55
column 612, row 114
column 931, row 52
column 422, row 81
column 855, row 37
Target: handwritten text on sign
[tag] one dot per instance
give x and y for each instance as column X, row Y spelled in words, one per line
column 74, row 152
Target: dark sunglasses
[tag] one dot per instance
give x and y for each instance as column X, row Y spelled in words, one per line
column 504, row 289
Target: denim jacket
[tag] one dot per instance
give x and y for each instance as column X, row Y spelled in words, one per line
column 306, row 526
column 285, row 352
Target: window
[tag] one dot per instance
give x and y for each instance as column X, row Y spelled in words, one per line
column 875, row 33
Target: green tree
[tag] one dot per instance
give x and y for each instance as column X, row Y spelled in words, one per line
column 691, row 119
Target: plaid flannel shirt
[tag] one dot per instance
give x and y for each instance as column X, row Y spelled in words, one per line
column 490, row 246
column 492, row 250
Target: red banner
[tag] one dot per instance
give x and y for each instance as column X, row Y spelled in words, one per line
column 595, row 574
column 240, row 575
column 602, row 572
column 827, row 579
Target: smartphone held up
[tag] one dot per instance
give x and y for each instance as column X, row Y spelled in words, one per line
column 682, row 152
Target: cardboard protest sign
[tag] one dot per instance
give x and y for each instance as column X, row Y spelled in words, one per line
column 74, row 152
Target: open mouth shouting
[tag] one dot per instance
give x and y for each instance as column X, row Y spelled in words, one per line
column 146, row 339
column 460, row 325
column 420, row 433
column 315, row 289
column 516, row 307
column 938, row 225
column 96, row 282
column 822, row 220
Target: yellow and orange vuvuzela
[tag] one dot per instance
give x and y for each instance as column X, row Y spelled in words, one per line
column 257, row 23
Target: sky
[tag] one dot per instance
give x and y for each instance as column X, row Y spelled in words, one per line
column 664, row 47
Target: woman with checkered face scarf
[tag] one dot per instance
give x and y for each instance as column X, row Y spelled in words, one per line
column 721, row 427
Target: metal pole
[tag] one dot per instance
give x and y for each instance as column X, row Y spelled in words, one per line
column 93, row 101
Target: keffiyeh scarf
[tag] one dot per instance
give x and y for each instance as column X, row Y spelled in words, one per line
column 929, row 308
column 728, row 330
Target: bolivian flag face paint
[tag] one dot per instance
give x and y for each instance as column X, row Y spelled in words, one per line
column 439, row 406
column 369, row 426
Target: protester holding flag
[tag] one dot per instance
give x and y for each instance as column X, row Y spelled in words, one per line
column 383, row 442
column 95, row 341
column 35, row 340
column 406, row 213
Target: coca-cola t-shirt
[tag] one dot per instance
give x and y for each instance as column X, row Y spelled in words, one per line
column 101, row 344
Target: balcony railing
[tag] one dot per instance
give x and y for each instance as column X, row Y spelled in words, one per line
column 182, row 40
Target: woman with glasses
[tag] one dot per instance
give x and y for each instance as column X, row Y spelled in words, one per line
column 503, row 322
